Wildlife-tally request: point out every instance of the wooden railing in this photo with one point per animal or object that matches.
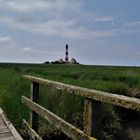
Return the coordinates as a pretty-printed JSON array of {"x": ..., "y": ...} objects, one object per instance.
[{"x": 92, "y": 105}]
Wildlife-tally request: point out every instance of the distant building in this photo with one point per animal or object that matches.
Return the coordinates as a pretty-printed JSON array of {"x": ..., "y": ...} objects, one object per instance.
[
  {"x": 61, "y": 60},
  {"x": 73, "y": 61}
]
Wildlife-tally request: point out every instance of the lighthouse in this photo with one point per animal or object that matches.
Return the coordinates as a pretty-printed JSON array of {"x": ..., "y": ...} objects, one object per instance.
[{"x": 66, "y": 54}]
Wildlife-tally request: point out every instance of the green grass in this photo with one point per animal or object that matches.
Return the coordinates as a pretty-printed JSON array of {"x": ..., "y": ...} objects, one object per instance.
[
  {"x": 12, "y": 86},
  {"x": 118, "y": 80}
]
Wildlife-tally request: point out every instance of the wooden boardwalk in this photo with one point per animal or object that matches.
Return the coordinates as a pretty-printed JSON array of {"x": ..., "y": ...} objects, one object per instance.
[{"x": 7, "y": 130}]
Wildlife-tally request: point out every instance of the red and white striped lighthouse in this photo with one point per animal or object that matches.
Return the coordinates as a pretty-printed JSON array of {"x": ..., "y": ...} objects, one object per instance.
[{"x": 66, "y": 54}]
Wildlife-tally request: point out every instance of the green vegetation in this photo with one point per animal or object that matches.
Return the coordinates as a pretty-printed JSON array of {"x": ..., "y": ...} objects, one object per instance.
[{"x": 119, "y": 80}]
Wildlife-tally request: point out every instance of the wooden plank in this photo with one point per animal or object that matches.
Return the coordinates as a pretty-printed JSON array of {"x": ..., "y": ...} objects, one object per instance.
[
  {"x": 9, "y": 138},
  {"x": 1, "y": 122},
  {"x": 6, "y": 136},
  {"x": 59, "y": 123},
  {"x": 31, "y": 132},
  {"x": 34, "y": 97},
  {"x": 5, "y": 133},
  {"x": 119, "y": 100},
  {"x": 4, "y": 129},
  {"x": 13, "y": 132}
]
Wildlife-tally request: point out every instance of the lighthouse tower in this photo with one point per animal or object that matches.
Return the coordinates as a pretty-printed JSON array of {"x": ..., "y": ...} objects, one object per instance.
[{"x": 66, "y": 54}]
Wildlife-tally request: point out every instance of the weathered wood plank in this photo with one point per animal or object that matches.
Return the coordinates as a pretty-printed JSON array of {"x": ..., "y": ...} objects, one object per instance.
[
  {"x": 31, "y": 132},
  {"x": 59, "y": 123},
  {"x": 4, "y": 129},
  {"x": 11, "y": 132},
  {"x": 2, "y": 122},
  {"x": 5, "y": 133},
  {"x": 87, "y": 117},
  {"x": 6, "y": 136},
  {"x": 119, "y": 100},
  {"x": 9, "y": 138}
]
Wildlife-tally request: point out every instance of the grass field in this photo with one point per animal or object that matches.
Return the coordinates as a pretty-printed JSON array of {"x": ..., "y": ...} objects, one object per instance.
[{"x": 119, "y": 80}]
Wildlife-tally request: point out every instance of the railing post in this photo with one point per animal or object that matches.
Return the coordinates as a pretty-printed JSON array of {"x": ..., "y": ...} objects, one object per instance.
[
  {"x": 35, "y": 98},
  {"x": 92, "y": 115}
]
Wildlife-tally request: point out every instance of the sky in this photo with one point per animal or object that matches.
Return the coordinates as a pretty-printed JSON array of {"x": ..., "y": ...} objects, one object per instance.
[{"x": 98, "y": 32}]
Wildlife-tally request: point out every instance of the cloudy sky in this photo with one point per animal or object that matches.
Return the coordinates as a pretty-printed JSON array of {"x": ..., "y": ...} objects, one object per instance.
[{"x": 103, "y": 32}]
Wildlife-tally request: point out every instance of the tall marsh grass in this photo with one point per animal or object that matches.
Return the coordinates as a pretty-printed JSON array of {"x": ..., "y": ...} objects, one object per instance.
[{"x": 118, "y": 80}]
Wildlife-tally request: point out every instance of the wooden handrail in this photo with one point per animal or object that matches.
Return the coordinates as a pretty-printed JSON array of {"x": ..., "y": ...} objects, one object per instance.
[{"x": 115, "y": 99}]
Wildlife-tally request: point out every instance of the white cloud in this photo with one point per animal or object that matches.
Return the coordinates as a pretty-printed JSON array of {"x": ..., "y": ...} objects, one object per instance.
[
  {"x": 32, "y": 5},
  {"x": 130, "y": 31},
  {"x": 36, "y": 51},
  {"x": 27, "y": 49},
  {"x": 5, "y": 39},
  {"x": 96, "y": 18},
  {"x": 85, "y": 33},
  {"x": 25, "y": 5},
  {"x": 31, "y": 50},
  {"x": 103, "y": 19},
  {"x": 53, "y": 27},
  {"x": 62, "y": 28},
  {"x": 68, "y": 29},
  {"x": 133, "y": 23}
]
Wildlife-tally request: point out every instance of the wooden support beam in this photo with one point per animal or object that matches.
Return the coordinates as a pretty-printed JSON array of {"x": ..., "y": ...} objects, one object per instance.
[
  {"x": 35, "y": 98},
  {"x": 62, "y": 125},
  {"x": 87, "y": 117},
  {"x": 92, "y": 113}
]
